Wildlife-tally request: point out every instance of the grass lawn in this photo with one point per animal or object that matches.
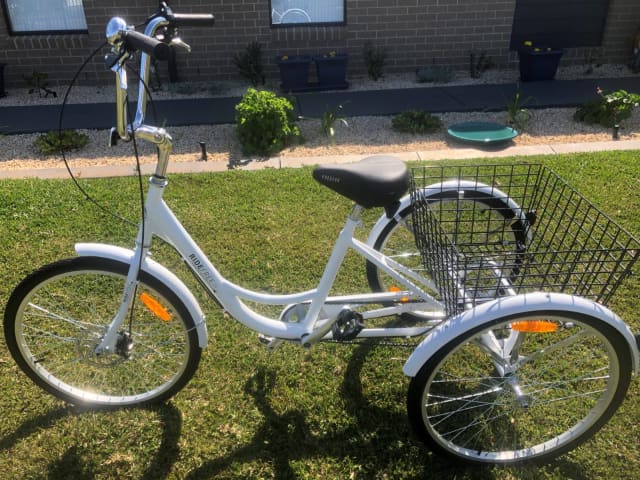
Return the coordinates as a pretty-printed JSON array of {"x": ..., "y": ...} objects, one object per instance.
[{"x": 333, "y": 412}]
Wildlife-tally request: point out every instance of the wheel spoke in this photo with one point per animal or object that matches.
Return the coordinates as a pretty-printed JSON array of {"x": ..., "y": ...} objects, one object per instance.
[
  {"x": 499, "y": 398},
  {"x": 501, "y": 238},
  {"x": 54, "y": 326}
]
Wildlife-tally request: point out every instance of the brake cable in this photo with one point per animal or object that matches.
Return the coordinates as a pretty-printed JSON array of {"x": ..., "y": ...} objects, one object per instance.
[{"x": 75, "y": 180}]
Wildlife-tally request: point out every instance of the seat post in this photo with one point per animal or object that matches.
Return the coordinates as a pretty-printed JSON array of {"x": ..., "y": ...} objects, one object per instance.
[{"x": 356, "y": 213}]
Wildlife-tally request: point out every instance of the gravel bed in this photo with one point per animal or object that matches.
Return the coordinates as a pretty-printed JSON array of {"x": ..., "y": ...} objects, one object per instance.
[{"x": 363, "y": 135}]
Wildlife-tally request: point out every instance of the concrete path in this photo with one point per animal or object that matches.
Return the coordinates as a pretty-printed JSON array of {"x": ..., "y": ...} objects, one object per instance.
[{"x": 294, "y": 162}]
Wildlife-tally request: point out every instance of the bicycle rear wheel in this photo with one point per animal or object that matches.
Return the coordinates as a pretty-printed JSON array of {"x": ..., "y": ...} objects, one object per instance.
[
  {"x": 57, "y": 316},
  {"x": 551, "y": 381},
  {"x": 503, "y": 232}
]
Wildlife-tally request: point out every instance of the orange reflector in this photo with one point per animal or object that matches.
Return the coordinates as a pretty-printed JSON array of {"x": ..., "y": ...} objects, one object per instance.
[
  {"x": 154, "y": 307},
  {"x": 535, "y": 326},
  {"x": 395, "y": 289}
]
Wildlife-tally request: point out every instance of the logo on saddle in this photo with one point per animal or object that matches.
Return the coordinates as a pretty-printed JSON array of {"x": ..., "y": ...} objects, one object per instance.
[{"x": 330, "y": 178}]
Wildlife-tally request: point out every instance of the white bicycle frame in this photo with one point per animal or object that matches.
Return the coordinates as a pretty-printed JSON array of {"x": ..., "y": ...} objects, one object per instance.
[
  {"x": 319, "y": 311},
  {"x": 161, "y": 222}
]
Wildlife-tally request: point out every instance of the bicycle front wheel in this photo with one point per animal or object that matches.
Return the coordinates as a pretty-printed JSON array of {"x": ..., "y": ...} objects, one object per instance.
[
  {"x": 57, "y": 316},
  {"x": 525, "y": 388}
]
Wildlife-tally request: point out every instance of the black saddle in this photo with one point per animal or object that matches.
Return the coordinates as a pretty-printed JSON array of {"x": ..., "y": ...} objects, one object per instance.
[{"x": 377, "y": 181}]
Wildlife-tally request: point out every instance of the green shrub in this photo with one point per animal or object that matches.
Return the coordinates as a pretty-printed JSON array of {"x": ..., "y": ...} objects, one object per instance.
[
  {"x": 517, "y": 115},
  {"x": 416, "y": 121},
  {"x": 374, "y": 60},
  {"x": 328, "y": 121},
  {"x": 478, "y": 64},
  {"x": 38, "y": 83},
  {"x": 434, "y": 74},
  {"x": 249, "y": 63},
  {"x": 265, "y": 123},
  {"x": 57, "y": 142},
  {"x": 609, "y": 109}
]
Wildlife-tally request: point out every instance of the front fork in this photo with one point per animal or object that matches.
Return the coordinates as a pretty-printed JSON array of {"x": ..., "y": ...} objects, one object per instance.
[
  {"x": 111, "y": 338},
  {"x": 162, "y": 140}
]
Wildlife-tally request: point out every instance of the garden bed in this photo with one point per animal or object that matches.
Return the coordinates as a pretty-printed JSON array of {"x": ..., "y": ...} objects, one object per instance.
[{"x": 364, "y": 135}]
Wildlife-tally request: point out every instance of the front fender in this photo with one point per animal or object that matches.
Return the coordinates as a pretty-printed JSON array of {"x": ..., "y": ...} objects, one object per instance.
[
  {"x": 519, "y": 304},
  {"x": 155, "y": 269}
]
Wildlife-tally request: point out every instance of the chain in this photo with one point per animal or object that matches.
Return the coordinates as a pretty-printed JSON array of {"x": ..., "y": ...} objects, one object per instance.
[{"x": 373, "y": 343}]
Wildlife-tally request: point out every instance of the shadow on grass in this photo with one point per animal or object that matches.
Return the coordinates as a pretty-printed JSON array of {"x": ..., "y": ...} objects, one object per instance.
[
  {"x": 375, "y": 440},
  {"x": 285, "y": 438},
  {"x": 73, "y": 463}
]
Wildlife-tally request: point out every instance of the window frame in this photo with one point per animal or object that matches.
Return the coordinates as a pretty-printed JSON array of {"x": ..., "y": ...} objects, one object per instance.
[
  {"x": 337, "y": 23},
  {"x": 13, "y": 32}
]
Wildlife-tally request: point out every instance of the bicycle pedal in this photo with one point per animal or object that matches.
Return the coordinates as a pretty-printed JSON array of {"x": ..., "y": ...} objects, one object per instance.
[{"x": 270, "y": 342}]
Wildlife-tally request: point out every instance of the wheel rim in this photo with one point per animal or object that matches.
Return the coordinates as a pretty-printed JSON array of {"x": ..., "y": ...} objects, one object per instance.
[
  {"x": 471, "y": 410},
  {"x": 456, "y": 216},
  {"x": 400, "y": 246},
  {"x": 61, "y": 320}
]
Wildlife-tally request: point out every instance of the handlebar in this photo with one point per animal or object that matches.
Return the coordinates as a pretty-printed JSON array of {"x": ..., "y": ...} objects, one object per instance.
[
  {"x": 125, "y": 39},
  {"x": 185, "y": 19},
  {"x": 133, "y": 40},
  {"x": 160, "y": 34},
  {"x": 192, "y": 20}
]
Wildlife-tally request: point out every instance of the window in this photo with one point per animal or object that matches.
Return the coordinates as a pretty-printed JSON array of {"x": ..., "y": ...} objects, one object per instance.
[
  {"x": 45, "y": 16},
  {"x": 312, "y": 12}
]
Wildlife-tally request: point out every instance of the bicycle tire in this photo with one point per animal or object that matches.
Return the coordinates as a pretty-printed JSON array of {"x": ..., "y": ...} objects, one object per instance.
[
  {"x": 57, "y": 316},
  {"x": 554, "y": 399},
  {"x": 396, "y": 239}
]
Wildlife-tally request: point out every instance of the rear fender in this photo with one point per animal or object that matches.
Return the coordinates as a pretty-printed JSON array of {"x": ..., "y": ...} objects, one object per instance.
[
  {"x": 155, "y": 269},
  {"x": 519, "y": 304},
  {"x": 448, "y": 186}
]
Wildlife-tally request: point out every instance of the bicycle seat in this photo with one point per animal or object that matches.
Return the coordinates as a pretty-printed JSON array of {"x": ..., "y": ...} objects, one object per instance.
[{"x": 377, "y": 181}]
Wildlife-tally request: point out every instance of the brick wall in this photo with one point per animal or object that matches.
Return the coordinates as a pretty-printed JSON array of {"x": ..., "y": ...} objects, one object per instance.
[{"x": 414, "y": 33}]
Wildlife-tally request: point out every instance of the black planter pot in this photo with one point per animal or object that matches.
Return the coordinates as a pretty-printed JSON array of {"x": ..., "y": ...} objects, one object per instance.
[
  {"x": 332, "y": 70},
  {"x": 540, "y": 64},
  {"x": 294, "y": 72}
]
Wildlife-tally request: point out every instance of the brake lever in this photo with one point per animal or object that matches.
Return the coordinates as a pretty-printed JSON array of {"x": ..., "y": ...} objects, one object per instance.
[
  {"x": 177, "y": 42},
  {"x": 112, "y": 59}
]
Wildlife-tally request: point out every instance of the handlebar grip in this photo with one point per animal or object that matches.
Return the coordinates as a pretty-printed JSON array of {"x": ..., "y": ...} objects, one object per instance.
[
  {"x": 139, "y": 41},
  {"x": 193, "y": 19}
]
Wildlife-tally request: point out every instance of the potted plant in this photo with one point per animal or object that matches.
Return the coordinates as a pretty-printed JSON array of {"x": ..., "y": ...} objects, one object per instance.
[
  {"x": 332, "y": 69},
  {"x": 538, "y": 62},
  {"x": 294, "y": 72}
]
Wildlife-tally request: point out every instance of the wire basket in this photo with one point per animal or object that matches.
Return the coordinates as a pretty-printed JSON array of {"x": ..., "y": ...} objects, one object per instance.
[{"x": 495, "y": 230}]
